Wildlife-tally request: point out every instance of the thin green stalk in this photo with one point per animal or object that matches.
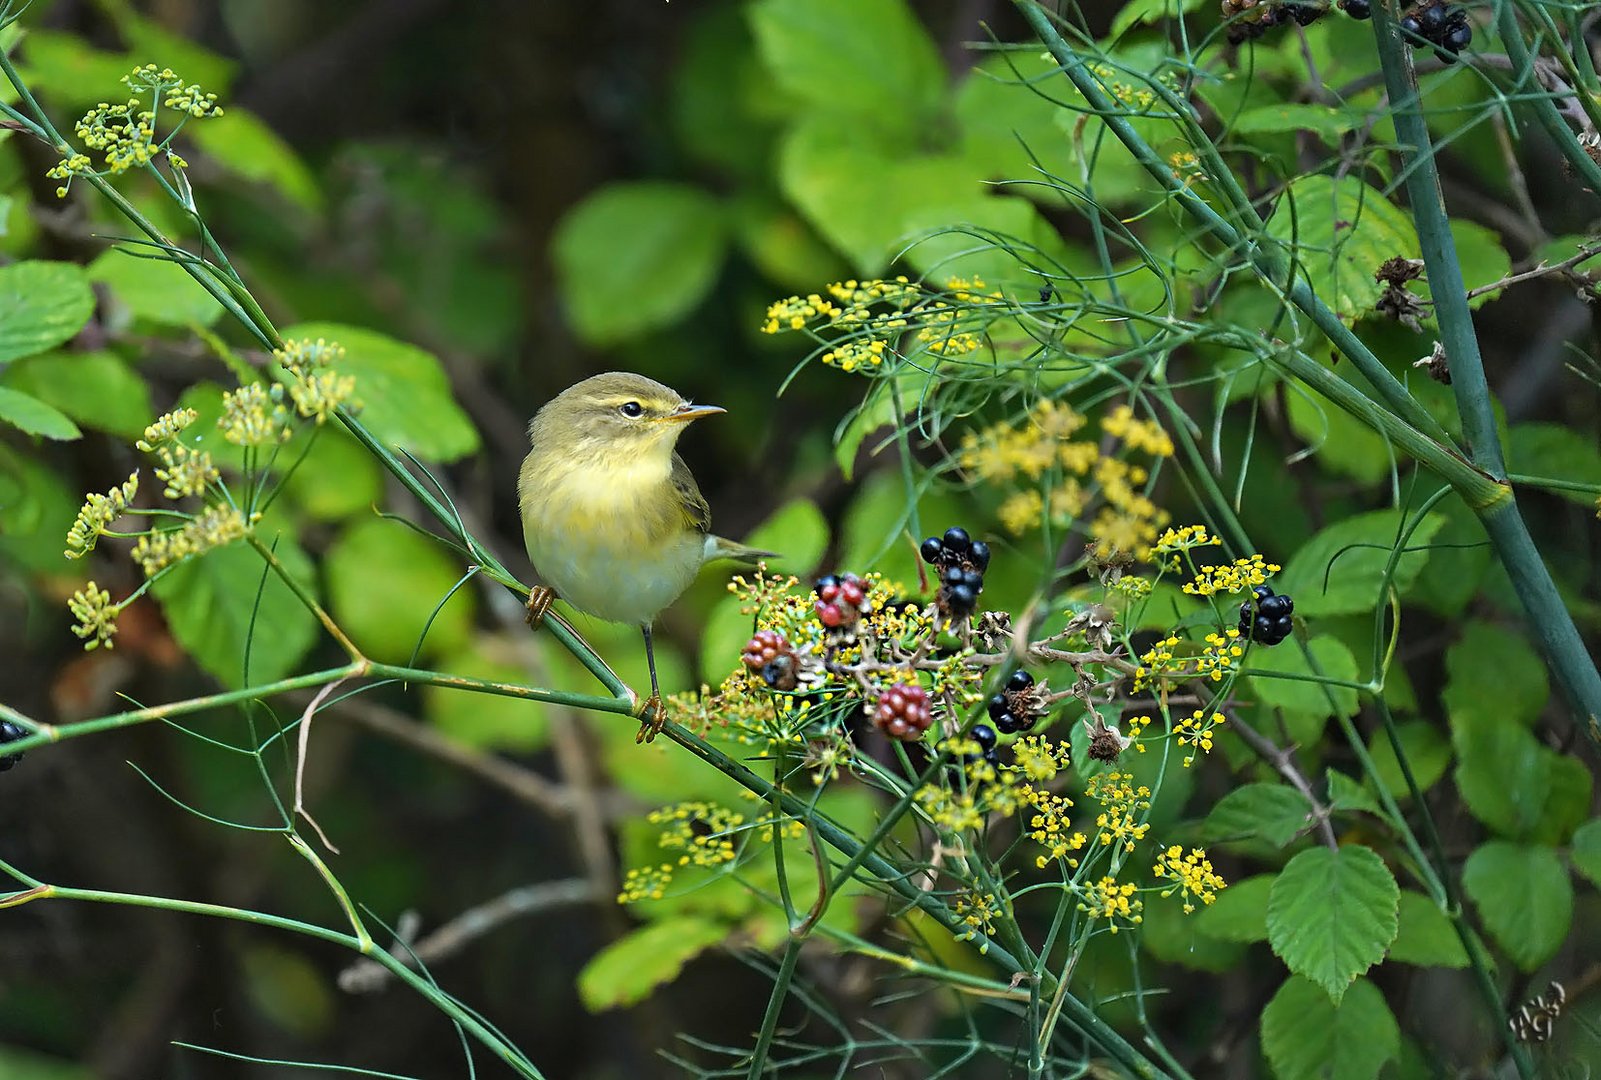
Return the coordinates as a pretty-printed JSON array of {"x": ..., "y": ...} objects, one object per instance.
[
  {"x": 620, "y": 705},
  {"x": 775, "y": 1006}
]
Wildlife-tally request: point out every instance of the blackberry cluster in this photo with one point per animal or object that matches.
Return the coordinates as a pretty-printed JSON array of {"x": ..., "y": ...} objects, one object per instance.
[
  {"x": 841, "y": 600},
  {"x": 903, "y": 712},
  {"x": 1357, "y": 9},
  {"x": 961, "y": 562},
  {"x": 1442, "y": 25},
  {"x": 10, "y": 732},
  {"x": 986, "y": 737},
  {"x": 1017, "y": 706},
  {"x": 1265, "y": 618},
  {"x": 1265, "y": 16},
  {"x": 771, "y": 656}
]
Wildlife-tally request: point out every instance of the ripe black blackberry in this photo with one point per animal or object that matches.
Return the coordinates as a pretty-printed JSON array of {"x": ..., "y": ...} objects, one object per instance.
[
  {"x": 1266, "y": 617},
  {"x": 1439, "y": 24},
  {"x": 10, "y": 732},
  {"x": 961, "y": 562},
  {"x": 1357, "y": 9}
]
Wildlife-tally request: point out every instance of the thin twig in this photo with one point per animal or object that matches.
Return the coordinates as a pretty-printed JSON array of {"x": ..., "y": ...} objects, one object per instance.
[{"x": 1283, "y": 762}]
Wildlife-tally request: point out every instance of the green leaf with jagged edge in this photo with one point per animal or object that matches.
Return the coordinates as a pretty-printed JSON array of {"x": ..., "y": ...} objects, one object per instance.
[
  {"x": 1493, "y": 663},
  {"x": 1586, "y": 853},
  {"x": 1276, "y": 813},
  {"x": 1557, "y": 452},
  {"x": 27, "y": 413},
  {"x": 1424, "y": 935},
  {"x": 42, "y": 304},
  {"x": 210, "y": 602},
  {"x": 627, "y": 970},
  {"x": 241, "y": 143},
  {"x": 1240, "y": 911},
  {"x": 1305, "y": 1036},
  {"x": 862, "y": 63},
  {"x": 97, "y": 389},
  {"x": 1427, "y": 753},
  {"x": 1332, "y": 914},
  {"x": 1340, "y": 571},
  {"x": 1341, "y": 231},
  {"x": 1512, "y": 782},
  {"x": 1333, "y": 660},
  {"x": 635, "y": 257},
  {"x": 150, "y": 287},
  {"x": 1524, "y": 898},
  {"x": 403, "y": 392},
  {"x": 1345, "y": 794},
  {"x": 384, "y": 582}
]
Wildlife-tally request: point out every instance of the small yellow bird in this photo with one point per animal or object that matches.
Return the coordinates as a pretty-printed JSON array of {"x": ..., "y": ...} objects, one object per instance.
[{"x": 614, "y": 522}]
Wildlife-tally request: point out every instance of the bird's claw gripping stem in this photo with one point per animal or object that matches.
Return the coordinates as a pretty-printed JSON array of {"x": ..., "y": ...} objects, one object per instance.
[
  {"x": 652, "y": 718},
  {"x": 540, "y": 598}
]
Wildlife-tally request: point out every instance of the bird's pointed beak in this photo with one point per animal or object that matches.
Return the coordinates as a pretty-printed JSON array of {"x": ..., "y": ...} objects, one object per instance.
[{"x": 687, "y": 412}]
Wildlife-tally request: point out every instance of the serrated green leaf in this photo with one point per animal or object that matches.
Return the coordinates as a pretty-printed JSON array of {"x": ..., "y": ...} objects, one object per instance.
[
  {"x": 1556, "y": 452},
  {"x": 1305, "y": 1036},
  {"x": 1331, "y": 914},
  {"x": 488, "y": 721},
  {"x": 241, "y": 143},
  {"x": 1586, "y": 853},
  {"x": 636, "y": 257},
  {"x": 42, "y": 304},
  {"x": 27, "y": 413},
  {"x": 97, "y": 389},
  {"x": 1276, "y": 813},
  {"x": 384, "y": 582},
  {"x": 210, "y": 604},
  {"x": 1340, "y": 571},
  {"x": 1345, "y": 793},
  {"x": 1427, "y": 754},
  {"x": 154, "y": 288},
  {"x": 846, "y": 59},
  {"x": 1514, "y": 784},
  {"x": 1342, "y": 231},
  {"x": 403, "y": 392},
  {"x": 627, "y": 970},
  {"x": 1424, "y": 935},
  {"x": 1524, "y": 899},
  {"x": 1492, "y": 663},
  {"x": 1240, "y": 911},
  {"x": 1334, "y": 661}
]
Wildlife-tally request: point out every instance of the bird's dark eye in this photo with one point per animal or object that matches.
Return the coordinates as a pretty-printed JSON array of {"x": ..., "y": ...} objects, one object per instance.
[{"x": 631, "y": 409}]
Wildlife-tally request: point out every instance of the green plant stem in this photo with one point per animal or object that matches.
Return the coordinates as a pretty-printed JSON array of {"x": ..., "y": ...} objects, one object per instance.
[
  {"x": 775, "y": 1006},
  {"x": 491, "y": 1041},
  {"x": 1549, "y": 621},
  {"x": 1551, "y": 483}
]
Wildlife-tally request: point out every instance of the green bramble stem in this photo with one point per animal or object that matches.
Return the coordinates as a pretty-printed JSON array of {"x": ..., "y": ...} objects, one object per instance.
[{"x": 1549, "y": 621}]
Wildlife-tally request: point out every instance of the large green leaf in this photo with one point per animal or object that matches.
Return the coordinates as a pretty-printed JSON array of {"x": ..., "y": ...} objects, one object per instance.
[
  {"x": 1340, "y": 571},
  {"x": 244, "y": 145},
  {"x": 1492, "y": 663},
  {"x": 42, "y": 304},
  {"x": 211, "y": 605},
  {"x": 29, "y": 414},
  {"x": 1512, "y": 782},
  {"x": 1276, "y": 813},
  {"x": 1424, "y": 935},
  {"x": 154, "y": 289},
  {"x": 36, "y": 510},
  {"x": 1010, "y": 128},
  {"x": 1524, "y": 898},
  {"x": 627, "y": 970},
  {"x": 1240, "y": 911},
  {"x": 1333, "y": 660},
  {"x": 1427, "y": 755},
  {"x": 1331, "y": 914},
  {"x": 867, "y": 62},
  {"x": 1556, "y": 452},
  {"x": 73, "y": 74},
  {"x": 1586, "y": 852},
  {"x": 404, "y": 394},
  {"x": 97, "y": 389},
  {"x": 1342, "y": 231},
  {"x": 1343, "y": 443},
  {"x": 384, "y": 582},
  {"x": 1308, "y": 1037},
  {"x": 635, "y": 257}
]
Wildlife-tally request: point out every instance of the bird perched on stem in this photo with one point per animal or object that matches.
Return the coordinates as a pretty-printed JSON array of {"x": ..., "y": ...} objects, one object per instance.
[{"x": 614, "y": 522}]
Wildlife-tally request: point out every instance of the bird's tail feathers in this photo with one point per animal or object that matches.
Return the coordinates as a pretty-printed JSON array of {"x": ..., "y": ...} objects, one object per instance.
[{"x": 720, "y": 547}]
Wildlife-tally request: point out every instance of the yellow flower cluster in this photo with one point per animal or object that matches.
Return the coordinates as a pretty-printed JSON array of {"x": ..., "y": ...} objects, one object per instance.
[
  {"x": 1120, "y": 801},
  {"x": 1136, "y": 96},
  {"x": 645, "y": 883},
  {"x": 1146, "y": 436},
  {"x": 316, "y": 391},
  {"x": 1157, "y": 661},
  {"x": 185, "y": 470},
  {"x": 1003, "y": 451},
  {"x": 1195, "y": 730},
  {"x": 96, "y": 516},
  {"x": 1039, "y": 759},
  {"x": 168, "y": 426},
  {"x": 856, "y": 353},
  {"x": 1137, "y": 726},
  {"x": 703, "y": 831},
  {"x": 1109, "y": 900},
  {"x": 1051, "y": 827},
  {"x": 1186, "y": 166},
  {"x": 1220, "y": 655},
  {"x": 977, "y": 913},
  {"x": 1231, "y": 577},
  {"x": 216, "y": 527},
  {"x": 1191, "y": 874},
  {"x": 255, "y": 416},
  {"x": 1184, "y": 538},
  {"x": 952, "y": 811},
  {"x": 96, "y": 615}
]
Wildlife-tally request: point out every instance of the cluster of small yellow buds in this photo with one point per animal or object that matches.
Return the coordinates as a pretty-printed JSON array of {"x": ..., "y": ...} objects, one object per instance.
[
  {"x": 977, "y": 913},
  {"x": 1186, "y": 166},
  {"x": 96, "y": 615},
  {"x": 1136, "y": 731},
  {"x": 317, "y": 390},
  {"x": 1191, "y": 874},
  {"x": 1222, "y": 652},
  {"x": 1184, "y": 538},
  {"x": 193, "y": 100},
  {"x": 704, "y": 832},
  {"x": 303, "y": 355},
  {"x": 1121, "y": 802},
  {"x": 166, "y": 427},
  {"x": 1196, "y": 730},
  {"x": 1051, "y": 827},
  {"x": 216, "y": 527},
  {"x": 185, "y": 471},
  {"x": 1107, "y": 899},
  {"x": 67, "y": 168},
  {"x": 645, "y": 883},
  {"x": 795, "y": 312},
  {"x": 1146, "y": 435},
  {"x": 1232, "y": 577},
  {"x": 253, "y": 415},
  {"x": 849, "y": 356},
  {"x": 97, "y": 514}
]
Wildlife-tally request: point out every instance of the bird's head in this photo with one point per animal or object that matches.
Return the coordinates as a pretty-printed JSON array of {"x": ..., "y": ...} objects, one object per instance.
[{"x": 618, "y": 412}]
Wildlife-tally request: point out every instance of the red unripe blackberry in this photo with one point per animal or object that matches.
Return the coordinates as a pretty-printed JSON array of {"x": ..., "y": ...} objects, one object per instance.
[
  {"x": 903, "y": 712},
  {"x": 840, "y": 600},
  {"x": 764, "y": 648}
]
